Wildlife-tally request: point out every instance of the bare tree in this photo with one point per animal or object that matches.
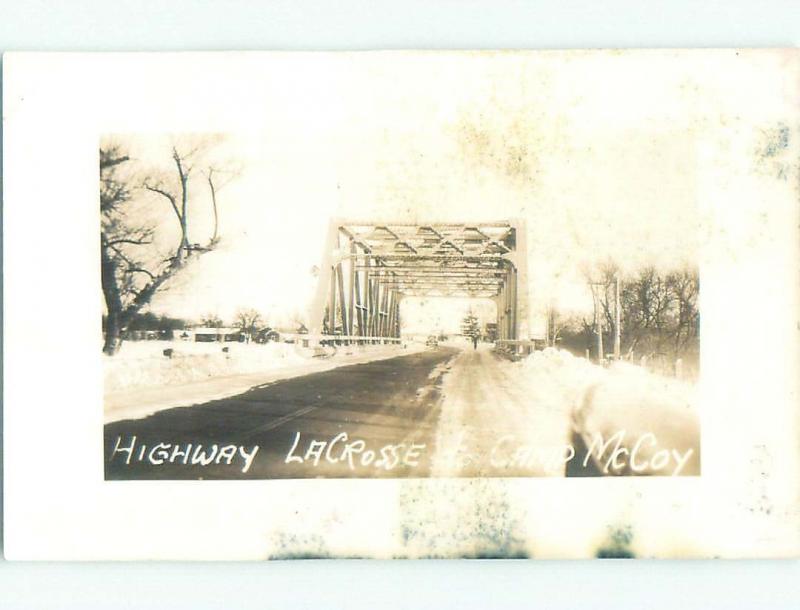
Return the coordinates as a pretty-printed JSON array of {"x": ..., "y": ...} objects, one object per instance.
[
  {"x": 646, "y": 302},
  {"x": 249, "y": 321},
  {"x": 684, "y": 286},
  {"x": 602, "y": 282},
  {"x": 559, "y": 322},
  {"x": 218, "y": 177},
  {"x": 660, "y": 312},
  {"x": 133, "y": 269},
  {"x": 211, "y": 320},
  {"x": 649, "y": 310},
  {"x": 556, "y": 322}
]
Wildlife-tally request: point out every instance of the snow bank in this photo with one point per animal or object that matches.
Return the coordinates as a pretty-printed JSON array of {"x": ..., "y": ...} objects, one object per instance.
[
  {"x": 559, "y": 374},
  {"x": 143, "y": 363},
  {"x": 622, "y": 406}
]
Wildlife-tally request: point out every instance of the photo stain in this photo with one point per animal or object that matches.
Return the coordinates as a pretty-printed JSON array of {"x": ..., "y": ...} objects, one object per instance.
[
  {"x": 618, "y": 544},
  {"x": 770, "y": 154},
  {"x": 471, "y": 519}
]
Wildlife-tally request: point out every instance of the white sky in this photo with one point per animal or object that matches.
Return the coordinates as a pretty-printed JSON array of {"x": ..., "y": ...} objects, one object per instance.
[
  {"x": 596, "y": 153},
  {"x": 442, "y": 314}
]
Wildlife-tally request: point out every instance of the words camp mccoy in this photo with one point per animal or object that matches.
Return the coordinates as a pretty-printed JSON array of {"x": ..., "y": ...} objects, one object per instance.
[{"x": 638, "y": 455}]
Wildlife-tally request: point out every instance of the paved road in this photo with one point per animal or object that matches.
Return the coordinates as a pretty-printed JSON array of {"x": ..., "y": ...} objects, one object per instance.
[{"x": 368, "y": 420}]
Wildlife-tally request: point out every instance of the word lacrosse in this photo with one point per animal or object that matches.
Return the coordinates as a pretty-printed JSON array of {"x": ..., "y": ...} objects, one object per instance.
[{"x": 354, "y": 453}]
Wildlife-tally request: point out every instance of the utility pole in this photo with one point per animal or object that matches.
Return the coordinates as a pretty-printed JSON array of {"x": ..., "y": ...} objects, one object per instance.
[
  {"x": 617, "y": 340},
  {"x": 597, "y": 326}
]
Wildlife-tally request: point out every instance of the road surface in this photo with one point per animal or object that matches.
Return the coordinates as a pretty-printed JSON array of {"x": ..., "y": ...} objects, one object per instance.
[
  {"x": 367, "y": 420},
  {"x": 492, "y": 425},
  {"x": 445, "y": 412}
]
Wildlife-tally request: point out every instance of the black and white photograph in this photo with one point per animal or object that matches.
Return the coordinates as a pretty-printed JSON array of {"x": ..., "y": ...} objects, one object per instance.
[
  {"x": 407, "y": 304},
  {"x": 451, "y": 288}
]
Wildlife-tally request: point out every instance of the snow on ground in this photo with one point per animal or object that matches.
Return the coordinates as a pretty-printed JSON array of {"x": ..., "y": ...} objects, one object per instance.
[
  {"x": 143, "y": 364},
  {"x": 623, "y": 405},
  {"x": 494, "y": 423},
  {"x": 526, "y": 418},
  {"x": 140, "y": 380}
]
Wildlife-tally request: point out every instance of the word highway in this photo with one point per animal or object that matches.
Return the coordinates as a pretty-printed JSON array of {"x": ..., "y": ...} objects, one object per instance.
[{"x": 183, "y": 453}]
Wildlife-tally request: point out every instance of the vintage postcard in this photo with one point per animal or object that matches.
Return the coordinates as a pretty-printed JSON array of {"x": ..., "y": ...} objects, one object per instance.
[{"x": 402, "y": 304}]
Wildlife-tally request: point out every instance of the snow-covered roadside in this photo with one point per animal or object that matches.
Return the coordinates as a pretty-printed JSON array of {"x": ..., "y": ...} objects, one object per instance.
[
  {"x": 622, "y": 406},
  {"x": 142, "y": 364},
  {"x": 144, "y": 381}
]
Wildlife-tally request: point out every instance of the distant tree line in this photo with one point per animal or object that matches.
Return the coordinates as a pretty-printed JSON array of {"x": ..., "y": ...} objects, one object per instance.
[
  {"x": 151, "y": 321},
  {"x": 164, "y": 326},
  {"x": 249, "y": 322},
  {"x": 658, "y": 315}
]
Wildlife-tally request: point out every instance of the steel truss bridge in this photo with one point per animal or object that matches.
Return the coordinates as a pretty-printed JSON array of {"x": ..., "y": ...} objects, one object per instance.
[{"x": 368, "y": 268}]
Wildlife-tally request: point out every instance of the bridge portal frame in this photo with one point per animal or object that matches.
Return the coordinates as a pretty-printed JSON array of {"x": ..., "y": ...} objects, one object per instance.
[{"x": 369, "y": 267}]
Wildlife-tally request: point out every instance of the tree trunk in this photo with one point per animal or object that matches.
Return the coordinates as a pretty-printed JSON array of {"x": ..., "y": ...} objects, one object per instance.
[
  {"x": 214, "y": 204},
  {"x": 617, "y": 324},
  {"x": 113, "y": 335}
]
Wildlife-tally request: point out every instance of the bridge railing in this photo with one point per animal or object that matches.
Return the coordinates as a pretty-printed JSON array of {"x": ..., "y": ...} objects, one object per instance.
[
  {"x": 310, "y": 340},
  {"x": 520, "y": 347}
]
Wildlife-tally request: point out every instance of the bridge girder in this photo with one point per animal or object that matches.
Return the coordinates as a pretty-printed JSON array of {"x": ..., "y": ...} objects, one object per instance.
[{"x": 368, "y": 268}]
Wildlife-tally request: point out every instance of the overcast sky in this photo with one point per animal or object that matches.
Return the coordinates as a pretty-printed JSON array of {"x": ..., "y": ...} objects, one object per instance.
[{"x": 594, "y": 152}]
